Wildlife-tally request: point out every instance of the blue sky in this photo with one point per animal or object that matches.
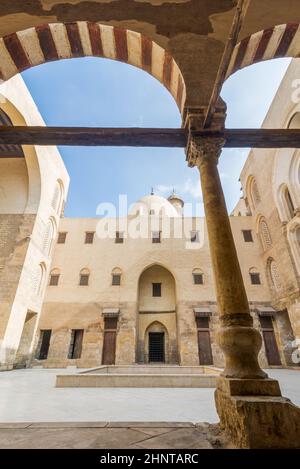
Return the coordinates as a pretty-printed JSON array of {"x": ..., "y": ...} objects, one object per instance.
[{"x": 100, "y": 92}]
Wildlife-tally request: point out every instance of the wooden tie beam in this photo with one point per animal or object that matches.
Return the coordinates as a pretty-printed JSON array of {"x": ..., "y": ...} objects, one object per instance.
[{"x": 138, "y": 137}]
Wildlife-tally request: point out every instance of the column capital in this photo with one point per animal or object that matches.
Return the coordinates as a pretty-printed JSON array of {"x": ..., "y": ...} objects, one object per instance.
[{"x": 201, "y": 149}]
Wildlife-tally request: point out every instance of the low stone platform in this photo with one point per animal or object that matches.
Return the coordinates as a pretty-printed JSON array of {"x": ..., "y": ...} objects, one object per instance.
[
  {"x": 114, "y": 435},
  {"x": 142, "y": 376}
]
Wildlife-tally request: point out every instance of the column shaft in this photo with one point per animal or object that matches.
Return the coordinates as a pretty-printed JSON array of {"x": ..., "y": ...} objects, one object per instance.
[{"x": 237, "y": 338}]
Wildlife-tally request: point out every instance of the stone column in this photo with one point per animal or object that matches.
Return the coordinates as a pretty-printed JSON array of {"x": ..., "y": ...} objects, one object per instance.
[
  {"x": 237, "y": 337},
  {"x": 249, "y": 404}
]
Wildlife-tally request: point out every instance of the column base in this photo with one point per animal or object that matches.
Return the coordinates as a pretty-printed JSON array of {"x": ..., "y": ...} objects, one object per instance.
[{"x": 255, "y": 415}]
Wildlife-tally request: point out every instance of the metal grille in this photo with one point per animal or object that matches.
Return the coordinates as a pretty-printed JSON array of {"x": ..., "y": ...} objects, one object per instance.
[
  {"x": 156, "y": 347},
  {"x": 156, "y": 289}
]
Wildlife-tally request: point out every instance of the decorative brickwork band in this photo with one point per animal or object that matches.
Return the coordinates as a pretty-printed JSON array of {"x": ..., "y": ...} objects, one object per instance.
[
  {"x": 279, "y": 41},
  {"x": 24, "y": 49}
]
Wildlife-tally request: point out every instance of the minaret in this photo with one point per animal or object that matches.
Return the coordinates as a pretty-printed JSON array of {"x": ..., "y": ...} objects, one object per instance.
[{"x": 177, "y": 202}]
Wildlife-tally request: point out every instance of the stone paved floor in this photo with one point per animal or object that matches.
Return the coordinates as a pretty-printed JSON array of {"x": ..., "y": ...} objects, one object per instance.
[
  {"x": 30, "y": 396},
  {"x": 79, "y": 435}
]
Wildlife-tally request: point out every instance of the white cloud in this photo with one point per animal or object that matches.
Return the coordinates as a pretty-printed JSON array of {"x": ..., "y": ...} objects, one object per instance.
[{"x": 189, "y": 187}]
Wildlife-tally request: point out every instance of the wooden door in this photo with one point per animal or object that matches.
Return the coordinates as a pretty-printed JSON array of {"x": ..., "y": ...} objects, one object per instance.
[
  {"x": 271, "y": 348},
  {"x": 204, "y": 344},
  {"x": 109, "y": 348},
  {"x": 45, "y": 343}
]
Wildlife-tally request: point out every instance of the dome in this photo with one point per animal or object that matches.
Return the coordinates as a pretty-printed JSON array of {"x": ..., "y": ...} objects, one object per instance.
[
  {"x": 176, "y": 202},
  {"x": 176, "y": 197},
  {"x": 153, "y": 205}
]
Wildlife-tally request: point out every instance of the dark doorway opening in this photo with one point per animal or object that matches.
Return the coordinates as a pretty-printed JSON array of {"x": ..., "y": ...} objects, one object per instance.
[
  {"x": 44, "y": 344},
  {"x": 76, "y": 343},
  {"x": 157, "y": 347}
]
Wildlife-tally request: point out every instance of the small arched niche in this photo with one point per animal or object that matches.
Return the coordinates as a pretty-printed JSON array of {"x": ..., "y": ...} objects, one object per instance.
[
  {"x": 14, "y": 179},
  {"x": 295, "y": 121}
]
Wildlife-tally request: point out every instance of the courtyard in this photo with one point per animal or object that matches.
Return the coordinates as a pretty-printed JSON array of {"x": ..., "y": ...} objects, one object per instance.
[
  {"x": 30, "y": 396},
  {"x": 34, "y": 414},
  {"x": 150, "y": 293}
]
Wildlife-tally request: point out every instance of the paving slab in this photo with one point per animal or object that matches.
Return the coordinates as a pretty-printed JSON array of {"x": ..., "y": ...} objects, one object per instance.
[
  {"x": 104, "y": 436},
  {"x": 150, "y": 424},
  {"x": 178, "y": 438},
  {"x": 67, "y": 425}
]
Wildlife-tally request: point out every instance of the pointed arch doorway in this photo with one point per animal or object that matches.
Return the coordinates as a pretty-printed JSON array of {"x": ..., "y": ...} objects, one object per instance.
[
  {"x": 157, "y": 322},
  {"x": 156, "y": 343}
]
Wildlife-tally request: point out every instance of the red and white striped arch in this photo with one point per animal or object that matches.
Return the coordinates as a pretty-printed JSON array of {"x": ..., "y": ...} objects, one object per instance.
[
  {"x": 280, "y": 41},
  {"x": 34, "y": 46}
]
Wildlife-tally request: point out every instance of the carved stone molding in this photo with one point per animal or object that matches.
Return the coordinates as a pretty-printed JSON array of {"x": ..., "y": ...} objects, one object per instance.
[{"x": 200, "y": 149}]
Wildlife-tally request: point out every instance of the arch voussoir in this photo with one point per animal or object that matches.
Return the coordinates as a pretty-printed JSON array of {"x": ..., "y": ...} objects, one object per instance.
[
  {"x": 44, "y": 43},
  {"x": 272, "y": 43}
]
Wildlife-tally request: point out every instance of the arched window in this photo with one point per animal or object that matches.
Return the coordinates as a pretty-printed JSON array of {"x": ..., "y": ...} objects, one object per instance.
[
  {"x": 58, "y": 195},
  {"x": 276, "y": 281},
  {"x": 49, "y": 235},
  {"x": 294, "y": 179},
  {"x": 289, "y": 203},
  {"x": 84, "y": 277},
  {"x": 264, "y": 233},
  {"x": 254, "y": 276},
  {"x": 9, "y": 150},
  {"x": 295, "y": 121},
  {"x": 293, "y": 234},
  {"x": 286, "y": 205},
  {"x": 116, "y": 276},
  {"x": 54, "y": 277},
  {"x": 41, "y": 279},
  {"x": 198, "y": 277},
  {"x": 252, "y": 192},
  {"x": 298, "y": 237}
]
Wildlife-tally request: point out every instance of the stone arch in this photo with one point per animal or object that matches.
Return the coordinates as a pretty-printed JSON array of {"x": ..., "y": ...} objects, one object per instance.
[
  {"x": 294, "y": 122},
  {"x": 48, "y": 42},
  {"x": 153, "y": 309},
  {"x": 294, "y": 177},
  {"x": 286, "y": 206},
  {"x": 253, "y": 195},
  {"x": 274, "y": 277},
  {"x": 55, "y": 271},
  {"x": 276, "y": 42},
  {"x": 22, "y": 160},
  {"x": 58, "y": 197},
  {"x": 49, "y": 236},
  {"x": 293, "y": 235},
  {"x": 156, "y": 327},
  {"x": 263, "y": 231},
  {"x": 42, "y": 272}
]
